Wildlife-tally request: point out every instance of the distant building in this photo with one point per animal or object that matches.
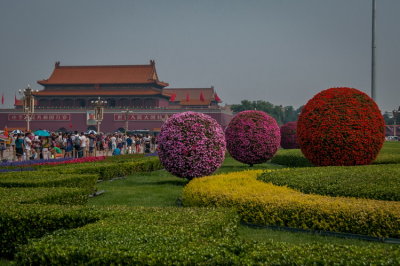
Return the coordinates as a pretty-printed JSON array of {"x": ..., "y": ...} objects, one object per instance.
[{"x": 65, "y": 101}]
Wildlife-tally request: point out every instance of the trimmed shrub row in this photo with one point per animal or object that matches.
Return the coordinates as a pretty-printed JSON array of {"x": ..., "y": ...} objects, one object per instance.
[
  {"x": 291, "y": 158},
  {"x": 147, "y": 236},
  {"x": 22, "y": 222},
  {"x": 28, "y": 199},
  {"x": 294, "y": 158},
  {"x": 381, "y": 182},
  {"x": 111, "y": 170},
  {"x": 47, "y": 179},
  {"x": 39, "y": 195},
  {"x": 189, "y": 236},
  {"x": 266, "y": 204}
]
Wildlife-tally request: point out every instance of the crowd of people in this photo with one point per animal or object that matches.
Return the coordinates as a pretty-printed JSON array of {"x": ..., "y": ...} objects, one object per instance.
[{"x": 27, "y": 146}]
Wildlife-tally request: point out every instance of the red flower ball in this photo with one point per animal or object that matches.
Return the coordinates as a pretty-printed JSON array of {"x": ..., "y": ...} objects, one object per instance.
[
  {"x": 340, "y": 126},
  {"x": 252, "y": 137},
  {"x": 289, "y": 136}
]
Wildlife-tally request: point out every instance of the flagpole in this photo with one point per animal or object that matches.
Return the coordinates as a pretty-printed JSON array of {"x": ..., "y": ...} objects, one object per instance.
[{"x": 373, "y": 82}]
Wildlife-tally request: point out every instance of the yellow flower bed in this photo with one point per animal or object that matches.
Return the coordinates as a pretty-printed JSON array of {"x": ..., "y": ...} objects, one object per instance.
[{"x": 266, "y": 204}]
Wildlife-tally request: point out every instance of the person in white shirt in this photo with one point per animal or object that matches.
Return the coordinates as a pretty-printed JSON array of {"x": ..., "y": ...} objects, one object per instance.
[
  {"x": 83, "y": 144},
  {"x": 113, "y": 142},
  {"x": 28, "y": 145}
]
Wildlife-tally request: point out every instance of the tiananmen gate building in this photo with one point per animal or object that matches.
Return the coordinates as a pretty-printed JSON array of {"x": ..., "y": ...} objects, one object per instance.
[{"x": 133, "y": 93}]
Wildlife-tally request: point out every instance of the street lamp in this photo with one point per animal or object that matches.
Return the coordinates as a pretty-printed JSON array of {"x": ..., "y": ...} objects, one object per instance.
[
  {"x": 395, "y": 116},
  {"x": 98, "y": 111},
  {"x": 28, "y": 104},
  {"x": 127, "y": 112}
]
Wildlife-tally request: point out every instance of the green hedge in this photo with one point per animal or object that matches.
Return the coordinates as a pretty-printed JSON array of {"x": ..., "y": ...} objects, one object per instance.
[
  {"x": 263, "y": 203},
  {"x": 50, "y": 195},
  {"x": 380, "y": 182},
  {"x": 291, "y": 158},
  {"x": 111, "y": 169},
  {"x": 389, "y": 154},
  {"x": 146, "y": 236},
  {"x": 47, "y": 179},
  {"x": 22, "y": 222},
  {"x": 188, "y": 236}
]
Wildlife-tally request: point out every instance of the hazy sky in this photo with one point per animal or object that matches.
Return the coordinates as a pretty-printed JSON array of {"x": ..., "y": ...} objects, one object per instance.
[{"x": 281, "y": 51}]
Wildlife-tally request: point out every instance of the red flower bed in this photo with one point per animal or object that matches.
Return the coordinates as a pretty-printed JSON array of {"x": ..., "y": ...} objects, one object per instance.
[
  {"x": 289, "y": 136},
  {"x": 77, "y": 160},
  {"x": 340, "y": 126}
]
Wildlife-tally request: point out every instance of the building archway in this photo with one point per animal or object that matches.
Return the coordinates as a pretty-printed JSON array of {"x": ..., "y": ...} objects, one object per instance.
[
  {"x": 43, "y": 103},
  {"x": 55, "y": 103},
  {"x": 138, "y": 103},
  {"x": 149, "y": 103},
  {"x": 68, "y": 102},
  {"x": 124, "y": 102},
  {"x": 111, "y": 102},
  {"x": 81, "y": 102}
]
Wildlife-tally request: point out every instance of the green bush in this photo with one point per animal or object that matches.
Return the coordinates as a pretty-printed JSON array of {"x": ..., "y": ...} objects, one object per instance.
[
  {"x": 389, "y": 154},
  {"x": 50, "y": 195},
  {"x": 381, "y": 182},
  {"x": 147, "y": 236},
  {"x": 18, "y": 223},
  {"x": 263, "y": 203},
  {"x": 189, "y": 236},
  {"x": 47, "y": 179},
  {"x": 109, "y": 170},
  {"x": 291, "y": 158}
]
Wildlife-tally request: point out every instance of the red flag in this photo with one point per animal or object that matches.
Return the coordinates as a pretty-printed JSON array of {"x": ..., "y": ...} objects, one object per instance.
[
  {"x": 217, "y": 98},
  {"x": 173, "y": 96},
  {"x": 201, "y": 97},
  {"x": 6, "y": 131},
  {"x": 2, "y": 98},
  {"x": 187, "y": 97}
]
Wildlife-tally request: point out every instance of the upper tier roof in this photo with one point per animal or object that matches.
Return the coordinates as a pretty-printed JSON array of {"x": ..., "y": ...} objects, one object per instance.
[{"x": 118, "y": 74}]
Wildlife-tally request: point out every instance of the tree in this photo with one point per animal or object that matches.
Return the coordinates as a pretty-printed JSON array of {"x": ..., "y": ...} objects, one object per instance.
[{"x": 282, "y": 114}]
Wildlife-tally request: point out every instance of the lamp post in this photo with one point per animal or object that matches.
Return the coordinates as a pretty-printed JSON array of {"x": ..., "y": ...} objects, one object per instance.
[
  {"x": 28, "y": 104},
  {"x": 127, "y": 112},
  {"x": 99, "y": 105},
  {"x": 395, "y": 116}
]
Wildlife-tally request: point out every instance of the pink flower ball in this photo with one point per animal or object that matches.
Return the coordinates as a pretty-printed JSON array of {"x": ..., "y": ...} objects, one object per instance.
[
  {"x": 191, "y": 145},
  {"x": 252, "y": 137},
  {"x": 289, "y": 136}
]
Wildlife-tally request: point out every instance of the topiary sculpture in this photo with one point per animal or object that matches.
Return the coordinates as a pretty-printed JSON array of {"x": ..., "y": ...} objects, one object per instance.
[
  {"x": 252, "y": 137},
  {"x": 340, "y": 126},
  {"x": 288, "y": 136},
  {"x": 191, "y": 145}
]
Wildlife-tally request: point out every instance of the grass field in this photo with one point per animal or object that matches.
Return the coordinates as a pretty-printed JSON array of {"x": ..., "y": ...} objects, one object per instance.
[{"x": 161, "y": 189}]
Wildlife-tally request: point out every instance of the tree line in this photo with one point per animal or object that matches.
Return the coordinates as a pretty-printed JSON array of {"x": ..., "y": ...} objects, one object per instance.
[{"x": 282, "y": 114}]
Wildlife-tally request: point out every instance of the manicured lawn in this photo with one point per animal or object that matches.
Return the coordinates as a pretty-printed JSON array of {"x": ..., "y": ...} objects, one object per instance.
[
  {"x": 161, "y": 189},
  {"x": 153, "y": 189},
  {"x": 157, "y": 188}
]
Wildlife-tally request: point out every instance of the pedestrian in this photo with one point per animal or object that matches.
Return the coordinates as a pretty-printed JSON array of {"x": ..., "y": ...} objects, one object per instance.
[
  {"x": 46, "y": 142},
  {"x": 68, "y": 146},
  {"x": 3, "y": 147},
  {"x": 92, "y": 144},
  {"x": 28, "y": 145},
  {"x": 19, "y": 147}
]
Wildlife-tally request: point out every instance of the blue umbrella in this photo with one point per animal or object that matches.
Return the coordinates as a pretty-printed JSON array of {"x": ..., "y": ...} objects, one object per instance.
[{"x": 43, "y": 133}]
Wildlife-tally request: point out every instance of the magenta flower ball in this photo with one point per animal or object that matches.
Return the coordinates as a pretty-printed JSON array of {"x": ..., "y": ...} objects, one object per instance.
[
  {"x": 191, "y": 145},
  {"x": 288, "y": 136},
  {"x": 252, "y": 137}
]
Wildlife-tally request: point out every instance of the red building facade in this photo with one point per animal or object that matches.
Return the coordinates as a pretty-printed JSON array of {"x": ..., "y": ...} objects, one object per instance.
[{"x": 65, "y": 101}]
